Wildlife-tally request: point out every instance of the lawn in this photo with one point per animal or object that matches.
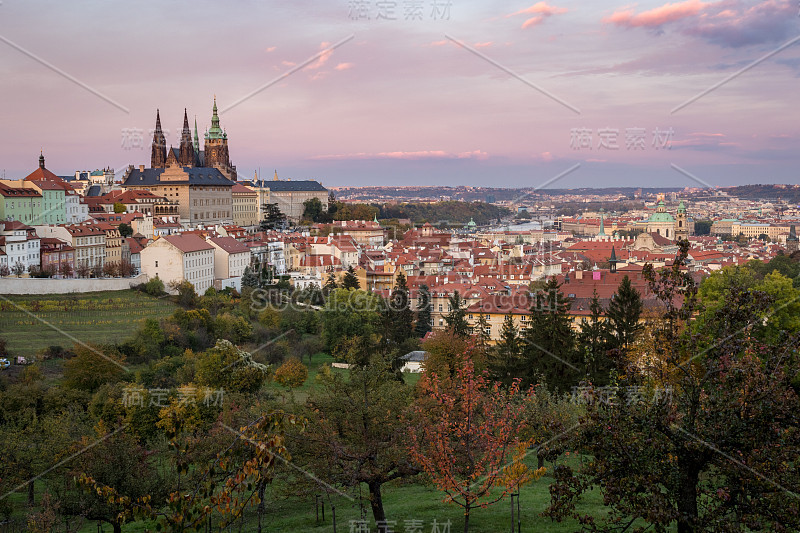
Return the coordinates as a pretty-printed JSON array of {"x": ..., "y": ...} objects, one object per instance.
[{"x": 31, "y": 323}]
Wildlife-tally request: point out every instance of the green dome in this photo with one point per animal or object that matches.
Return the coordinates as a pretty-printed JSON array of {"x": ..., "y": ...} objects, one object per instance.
[{"x": 661, "y": 217}]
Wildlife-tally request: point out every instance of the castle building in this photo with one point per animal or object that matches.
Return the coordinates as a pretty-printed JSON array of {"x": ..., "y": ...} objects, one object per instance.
[
  {"x": 200, "y": 181},
  {"x": 188, "y": 154}
]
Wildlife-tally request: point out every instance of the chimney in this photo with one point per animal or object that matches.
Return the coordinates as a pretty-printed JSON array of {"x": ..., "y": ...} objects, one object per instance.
[
  {"x": 141, "y": 168},
  {"x": 579, "y": 274}
]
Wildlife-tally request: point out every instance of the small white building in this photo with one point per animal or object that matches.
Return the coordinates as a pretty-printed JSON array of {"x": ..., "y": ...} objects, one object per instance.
[
  {"x": 413, "y": 361},
  {"x": 20, "y": 245},
  {"x": 231, "y": 257},
  {"x": 176, "y": 258}
]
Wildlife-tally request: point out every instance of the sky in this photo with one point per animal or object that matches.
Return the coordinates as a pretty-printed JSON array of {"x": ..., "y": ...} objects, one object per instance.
[{"x": 555, "y": 93}]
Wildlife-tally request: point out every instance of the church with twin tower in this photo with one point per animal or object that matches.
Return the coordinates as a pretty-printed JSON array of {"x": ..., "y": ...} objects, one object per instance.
[{"x": 213, "y": 155}]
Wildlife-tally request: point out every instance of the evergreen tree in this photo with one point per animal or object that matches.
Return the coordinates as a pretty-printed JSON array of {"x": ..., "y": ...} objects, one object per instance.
[
  {"x": 249, "y": 279},
  {"x": 330, "y": 285},
  {"x": 400, "y": 309},
  {"x": 549, "y": 342},
  {"x": 272, "y": 217},
  {"x": 506, "y": 364},
  {"x": 593, "y": 341},
  {"x": 350, "y": 280},
  {"x": 482, "y": 332},
  {"x": 424, "y": 306},
  {"x": 623, "y": 314},
  {"x": 457, "y": 317}
]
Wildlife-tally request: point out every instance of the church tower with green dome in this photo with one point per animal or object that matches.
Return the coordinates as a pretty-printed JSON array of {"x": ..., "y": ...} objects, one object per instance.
[
  {"x": 216, "y": 147},
  {"x": 681, "y": 223},
  {"x": 661, "y": 222}
]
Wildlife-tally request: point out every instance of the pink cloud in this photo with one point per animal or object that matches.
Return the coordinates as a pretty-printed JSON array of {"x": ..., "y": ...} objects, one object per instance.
[
  {"x": 271, "y": 49},
  {"x": 657, "y": 16},
  {"x": 322, "y": 59},
  {"x": 540, "y": 11},
  {"x": 410, "y": 155},
  {"x": 343, "y": 66},
  {"x": 483, "y": 45},
  {"x": 438, "y": 43}
]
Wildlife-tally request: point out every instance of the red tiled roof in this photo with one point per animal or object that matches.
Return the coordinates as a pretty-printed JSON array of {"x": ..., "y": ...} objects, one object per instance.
[{"x": 187, "y": 243}]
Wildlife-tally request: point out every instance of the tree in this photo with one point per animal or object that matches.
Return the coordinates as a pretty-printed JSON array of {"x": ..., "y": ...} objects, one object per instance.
[
  {"x": 154, "y": 287},
  {"x": 624, "y": 313},
  {"x": 330, "y": 285},
  {"x": 350, "y": 280},
  {"x": 505, "y": 363},
  {"x": 271, "y": 217},
  {"x": 702, "y": 227},
  {"x": 119, "y": 207},
  {"x": 593, "y": 340},
  {"x": 703, "y": 428},
  {"x": 291, "y": 374},
  {"x": 187, "y": 296},
  {"x": 549, "y": 341},
  {"x": 401, "y": 315},
  {"x": 93, "y": 366},
  {"x": 125, "y": 230},
  {"x": 462, "y": 434},
  {"x": 18, "y": 269},
  {"x": 83, "y": 270},
  {"x": 226, "y": 367},
  {"x": 4, "y": 271},
  {"x": 356, "y": 430},
  {"x": 482, "y": 332},
  {"x": 457, "y": 317},
  {"x": 249, "y": 279},
  {"x": 424, "y": 307},
  {"x": 347, "y": 314},
  {"x": 312, "y": 209}
]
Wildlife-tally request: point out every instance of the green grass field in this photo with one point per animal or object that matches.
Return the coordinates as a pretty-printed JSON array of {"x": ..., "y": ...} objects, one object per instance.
[{"x": 31, "y": 323}]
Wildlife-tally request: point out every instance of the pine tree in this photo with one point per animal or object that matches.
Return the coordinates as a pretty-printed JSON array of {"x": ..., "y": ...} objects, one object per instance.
[
  {"x": 424, "y": 306},
  {"x": 330, "y": 285},
  {"x": 457, "y": 317},
  {"x": 350, "y": 280},
  {"x": 593, "y": 341},
  {"x": 400, "y": 309},
  {"x": 506, "y": 364},
  {"x": 249, "y": 279},
  {"x": 624, "y": 313},
  {"x": 549, "y": 341},
  {"x": 482, "y": 331}
]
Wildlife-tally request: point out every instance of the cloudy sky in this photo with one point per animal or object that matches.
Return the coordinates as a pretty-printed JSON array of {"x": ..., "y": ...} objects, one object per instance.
[{"x": 557, "y": 93}]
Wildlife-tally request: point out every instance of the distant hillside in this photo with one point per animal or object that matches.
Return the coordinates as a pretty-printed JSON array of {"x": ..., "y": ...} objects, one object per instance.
[
  {"x": 786, "y": 193},
  {"x": 450, "y": 213}
]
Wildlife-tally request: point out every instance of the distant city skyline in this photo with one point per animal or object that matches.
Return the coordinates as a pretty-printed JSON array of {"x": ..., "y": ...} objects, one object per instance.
[{"x": 555, "y": 94}]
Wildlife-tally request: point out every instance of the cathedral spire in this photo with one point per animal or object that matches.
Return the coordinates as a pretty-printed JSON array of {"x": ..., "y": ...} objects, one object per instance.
[
  {"x": 41, "y": 160},
  {"x": 187, "y": 147},
  {"x": 215, "y": 132},
  {"x": 158, "y": 155},
  {"x": 196, "y": 137}
]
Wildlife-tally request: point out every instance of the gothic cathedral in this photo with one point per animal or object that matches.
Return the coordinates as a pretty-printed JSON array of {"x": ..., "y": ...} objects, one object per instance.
[{"x": 214, "y": 155}]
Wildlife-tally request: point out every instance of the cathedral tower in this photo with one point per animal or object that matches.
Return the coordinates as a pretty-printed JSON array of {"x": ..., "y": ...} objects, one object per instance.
[
  {"x": 158, "y": 155},
  {"x": 186, "y": 158},
  {"x": 216, "y": 147}
]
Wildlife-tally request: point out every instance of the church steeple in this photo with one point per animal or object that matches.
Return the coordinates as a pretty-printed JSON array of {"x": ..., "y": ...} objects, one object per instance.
[
  {"x": 186, "y": 158},
  {"x": 215, "y": 132},
  {"x": 196, "y": 138},
  {"x": 158, "y": 155},
  {"x": 41, "y": 161}
]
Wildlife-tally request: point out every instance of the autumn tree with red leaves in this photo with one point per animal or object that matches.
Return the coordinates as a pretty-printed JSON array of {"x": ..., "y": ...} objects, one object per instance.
[{"x": 464, "y": 435}]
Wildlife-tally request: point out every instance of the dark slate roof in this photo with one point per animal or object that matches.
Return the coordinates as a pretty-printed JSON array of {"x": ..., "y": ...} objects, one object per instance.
[
  {"x": 417, "y": 356},
  {"x": 94, "y": 190},
  {"x": 197, "y": 176},
  {"x": 302, "y": 185}
]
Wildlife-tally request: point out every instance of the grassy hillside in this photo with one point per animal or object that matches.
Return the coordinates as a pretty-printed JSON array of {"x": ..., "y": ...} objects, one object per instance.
[{"x": 31, "y": 323}]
